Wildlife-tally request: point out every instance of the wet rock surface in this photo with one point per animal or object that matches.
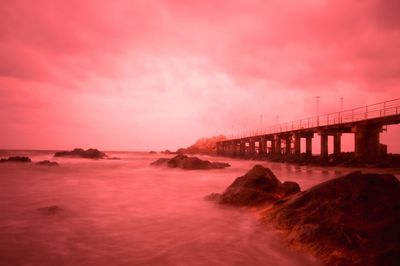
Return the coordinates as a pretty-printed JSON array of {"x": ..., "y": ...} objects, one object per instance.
[
  {"x": 189, "y": 163},
  {"x": 16, "y": 159},
  {"x": 81, "y": 153},
  {"x": 257, "y": 186},
  {"x": 47, "y": 163},
  {"x": 350, "y": 220}
]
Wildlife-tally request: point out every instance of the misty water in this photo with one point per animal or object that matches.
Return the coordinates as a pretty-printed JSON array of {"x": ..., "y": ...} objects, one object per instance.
[{"x": 125, "y": 212}]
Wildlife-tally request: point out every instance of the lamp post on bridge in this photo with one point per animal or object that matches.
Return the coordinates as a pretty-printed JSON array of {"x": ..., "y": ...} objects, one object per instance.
[
  {"x": 317, "y": 98},
  {"x": 341, "y": 109}
]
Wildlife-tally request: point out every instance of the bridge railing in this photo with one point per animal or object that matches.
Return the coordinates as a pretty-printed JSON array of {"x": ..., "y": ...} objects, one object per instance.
[{"x": 382, "y": 109}]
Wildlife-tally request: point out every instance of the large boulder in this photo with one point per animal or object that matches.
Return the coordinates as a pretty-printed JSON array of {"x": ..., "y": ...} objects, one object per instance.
[
  {"x": 257, "y": 186},
  {"x": 16, "y": 159},
  {"x": 350, "y": 220},
  {"x": 81, "y": 153},
  {"x": 189, "y": 163}
]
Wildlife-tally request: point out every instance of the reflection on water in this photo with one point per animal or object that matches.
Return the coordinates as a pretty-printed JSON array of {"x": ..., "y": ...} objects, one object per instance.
[{"x": 123, "y": 212}]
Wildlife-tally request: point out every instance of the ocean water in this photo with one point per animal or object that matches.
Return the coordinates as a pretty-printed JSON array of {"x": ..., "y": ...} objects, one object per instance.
[{"x": 125, "y": 212}]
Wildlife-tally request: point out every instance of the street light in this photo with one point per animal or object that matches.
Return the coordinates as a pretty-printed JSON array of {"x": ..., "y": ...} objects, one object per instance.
[
  {"x": 317, "y": 110},
  {"x": 341, "y": 109},
  {"x": 341, "y": 104}
]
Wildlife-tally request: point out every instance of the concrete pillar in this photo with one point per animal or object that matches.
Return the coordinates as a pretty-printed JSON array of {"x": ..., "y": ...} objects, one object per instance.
[
  {"x": 367, "y": 147},
  {"x": 309, "y": 145},
  {"x": 252, "y": 147},
  {"x": 242, "y": 151},
  {"x": 277, "y": 144},
  {"x": 297, "y": 143},
  {"x": 262, "y": 147},
  {"x": 288, "y": 143},
  {"x": 337, "y": 149},
  {"x": 230, "y": 145},
  {"x": 324, "y": 145}
]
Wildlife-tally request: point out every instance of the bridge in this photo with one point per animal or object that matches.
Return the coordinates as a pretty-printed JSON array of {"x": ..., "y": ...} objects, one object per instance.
[{"x": 366, "y": 123}]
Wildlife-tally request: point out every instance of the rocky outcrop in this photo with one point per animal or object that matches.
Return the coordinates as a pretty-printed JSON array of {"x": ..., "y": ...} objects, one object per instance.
[
  {"x": 203, "y": 146},
  {"x": 81, "y": 153},
  {"x": 168, "y": 152},
  {"x": 257, "y": 186},
  {"x": 16, "y": 159},
  {"x": 189, "y": 163},
  {"x": 350, "y": 220},
  {"x": 47, "y": 163}
]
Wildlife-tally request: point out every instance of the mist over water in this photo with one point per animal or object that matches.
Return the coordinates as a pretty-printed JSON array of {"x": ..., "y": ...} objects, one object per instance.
[{"x": 124, "y": 212}]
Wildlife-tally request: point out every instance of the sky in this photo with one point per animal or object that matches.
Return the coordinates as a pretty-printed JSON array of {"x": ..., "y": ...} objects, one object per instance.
[{"x": 141, "y": 75}]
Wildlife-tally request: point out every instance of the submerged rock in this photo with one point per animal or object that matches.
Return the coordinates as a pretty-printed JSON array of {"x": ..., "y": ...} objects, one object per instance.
[
  {"x": 89, "y": 154},
  {"x": 50, "y": 210},
  {"x": 350, "y": 220},
  {"x": 257, "y": 186},
  {"x": 47, "y": 163},
  {"x": 189, "y": 163},
  {"x": 16, "y": 159},
  {"x": 168, "y": 152}
]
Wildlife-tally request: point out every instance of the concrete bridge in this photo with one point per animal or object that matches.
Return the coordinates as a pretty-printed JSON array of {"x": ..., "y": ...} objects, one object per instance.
[{"x": 365, "y": 123}]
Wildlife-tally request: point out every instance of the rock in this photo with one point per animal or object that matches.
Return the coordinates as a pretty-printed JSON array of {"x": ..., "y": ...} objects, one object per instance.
[
  {"x": 189, "y": 163},
  {"x": 257, "y": 186},
  {"x": 50, "y": 210},
  {"x": 203, "y": 146},
  {"x": 47, "y": 163},
  {"x": 16, "y": 159},
  {"x": 350, "y": 220},
  {"x": 113, "y": 158},
  {"x": 89, "y": 154},
  {"x": 152, "y": 152},
  {"x": 160, "y": 161},
  {"x": 213, "y": 197},
  {"x": 168, "y": 152}
]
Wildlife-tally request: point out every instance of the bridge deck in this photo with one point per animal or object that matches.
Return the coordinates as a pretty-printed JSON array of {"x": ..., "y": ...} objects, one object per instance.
[{"x": 383, "y": 113}]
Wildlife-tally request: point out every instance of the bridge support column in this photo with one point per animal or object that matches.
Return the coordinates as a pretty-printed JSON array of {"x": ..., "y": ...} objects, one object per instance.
[
  {"x": 297, "y": 144},
  {"x": 277, "y": 144},
  {"x": 337, "y": 143},
  {"x": 324, "y": 145},
  {"x": 237, "y": 148},
  {"x": 242, "y": 149},
  {"x": 262, "y": 147},
  {"x": 252, "y": 147},
  {"x": 309, "y": 145},
  {"x": 367, "y": 147},
  {"x": 231, "y": 148},
  {"x": 288, "y": 144}
]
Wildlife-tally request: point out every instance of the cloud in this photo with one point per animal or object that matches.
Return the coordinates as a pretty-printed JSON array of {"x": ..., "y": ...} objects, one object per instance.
[{"x": 128, "y": 70}]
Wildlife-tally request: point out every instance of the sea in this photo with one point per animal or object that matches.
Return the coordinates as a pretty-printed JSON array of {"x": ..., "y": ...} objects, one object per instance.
[{"x": 126, "y": 212}]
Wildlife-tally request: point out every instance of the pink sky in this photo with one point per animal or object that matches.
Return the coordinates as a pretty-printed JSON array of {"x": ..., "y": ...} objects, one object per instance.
[{"x": 140, "y": 75}]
